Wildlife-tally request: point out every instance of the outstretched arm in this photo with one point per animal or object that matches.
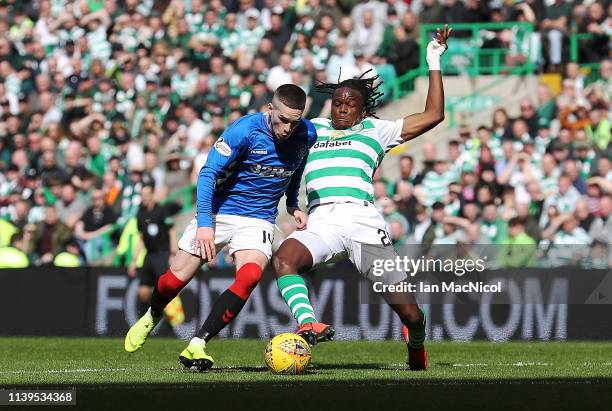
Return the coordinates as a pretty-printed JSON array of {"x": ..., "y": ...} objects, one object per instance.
[{"x": 416, "y": 124}]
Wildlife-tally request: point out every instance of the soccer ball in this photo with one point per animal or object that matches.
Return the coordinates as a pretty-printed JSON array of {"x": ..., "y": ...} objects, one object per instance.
[{"x": 287, "y": 354}]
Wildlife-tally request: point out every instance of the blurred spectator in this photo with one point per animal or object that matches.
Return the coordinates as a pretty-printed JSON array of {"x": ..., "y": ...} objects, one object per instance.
[
  {"x": 550, "y": 176},
  {"x": 519, "y": 248},
  {"x": 398, "y": 224},
  {"x": 96, "y": 220},
  {"x": 420, "y": 225},
  {"x": 176, "y": 178},
  {"x": 530, "y": 116},
  {"x": 598, "y": 129},
  {"x": 434, "y": 229},
  {"x": 492, "y": 228},
  {"x": 46, "y": 238},
  {"x": 70, "y": 256},
  {"x": 118, "y": 95},
  {"x": 601, "y": 227},
  {"x": 367, "y": 34},
  {"x": 278, "y": 33},
  {"x": 432, "y": 12},
  {"x": 111, "y": 188},
  {"x": 435, "y": 183},
  {"x": 403, "y": 53},
  {"x": 582, "y": 215},
  {"x": 594, "y": 48},
  {"x": 69, "y": 208},
  {"x": 546, "y": 110},
  {"x": 12, "y": 255},
  {"x": 279, "y": 74},
  {"x": 408, "y": 172},
  {"x": 556, "y": 26},
  {"x": 405, "y": 200},
  {"x": 576, "y": 116}
]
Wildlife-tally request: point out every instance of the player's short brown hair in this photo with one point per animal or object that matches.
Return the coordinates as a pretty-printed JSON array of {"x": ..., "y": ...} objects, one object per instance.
[{"x": 291, "y": 95}]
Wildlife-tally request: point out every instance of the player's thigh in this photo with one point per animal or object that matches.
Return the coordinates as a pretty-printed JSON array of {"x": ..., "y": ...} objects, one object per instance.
[
  {"x": 372, "y": 262},
  {"x": 324, "y": 243},
  {"x": 368, "y": 241},
  {"x": 188, "y": 242},
  {"x": 369, "y": 259},
  {"x": 250, "y": 235},
  {"x": 185, "y": 265},
  {"x": 242, "y": 257}
]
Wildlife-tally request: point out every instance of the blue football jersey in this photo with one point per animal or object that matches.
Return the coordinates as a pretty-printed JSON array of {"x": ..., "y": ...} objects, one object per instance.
[{"x": 248, "y": 170}]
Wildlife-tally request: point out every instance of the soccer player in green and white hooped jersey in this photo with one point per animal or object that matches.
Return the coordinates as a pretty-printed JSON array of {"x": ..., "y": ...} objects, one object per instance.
[{"x": 342, "y": 219}]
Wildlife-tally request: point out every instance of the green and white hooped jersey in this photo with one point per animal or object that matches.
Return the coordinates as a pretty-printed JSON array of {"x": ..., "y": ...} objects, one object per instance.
[{"x": 341, "y": 164}]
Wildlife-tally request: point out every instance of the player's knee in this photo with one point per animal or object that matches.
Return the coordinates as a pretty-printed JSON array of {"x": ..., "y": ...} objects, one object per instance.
[{"x": 282, "y": 265}]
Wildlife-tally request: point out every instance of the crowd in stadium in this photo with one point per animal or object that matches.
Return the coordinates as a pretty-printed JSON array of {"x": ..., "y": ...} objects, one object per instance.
[{"x": 99, "y": 98}]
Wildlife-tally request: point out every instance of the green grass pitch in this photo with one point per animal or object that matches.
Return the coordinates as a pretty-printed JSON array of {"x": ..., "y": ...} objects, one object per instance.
[{"x": 342, "y": 375}]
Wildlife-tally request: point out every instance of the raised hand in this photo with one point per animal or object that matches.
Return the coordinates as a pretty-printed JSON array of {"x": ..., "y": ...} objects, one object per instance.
[{"x": 442, "y": 36}]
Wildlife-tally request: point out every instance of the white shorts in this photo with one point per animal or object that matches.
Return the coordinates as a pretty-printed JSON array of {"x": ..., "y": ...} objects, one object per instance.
[
  {"x": 355, "y": 231},
  {"x": 240, "y": 233}
]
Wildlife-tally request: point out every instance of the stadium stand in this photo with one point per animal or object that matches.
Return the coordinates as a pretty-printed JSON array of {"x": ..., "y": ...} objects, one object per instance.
[{"x": 99, "y": 97}]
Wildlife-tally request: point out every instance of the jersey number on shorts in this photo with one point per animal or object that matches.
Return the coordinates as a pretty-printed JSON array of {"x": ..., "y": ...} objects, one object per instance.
[
  {"x": 267, "y": 236},
  {"x": 384, "y": 237}
]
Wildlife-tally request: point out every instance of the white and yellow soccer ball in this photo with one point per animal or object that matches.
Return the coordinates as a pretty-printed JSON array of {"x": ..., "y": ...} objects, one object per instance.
[{"x": 287, "y": 353}]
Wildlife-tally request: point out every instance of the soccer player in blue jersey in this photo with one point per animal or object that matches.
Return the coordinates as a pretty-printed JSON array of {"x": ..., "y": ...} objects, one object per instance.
[{"x": 258, "y": 158}]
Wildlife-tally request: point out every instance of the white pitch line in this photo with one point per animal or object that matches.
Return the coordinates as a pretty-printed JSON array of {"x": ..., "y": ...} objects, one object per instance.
[
  {"x": 64, "y": 371},
  {"x": 515, "y": 364}
]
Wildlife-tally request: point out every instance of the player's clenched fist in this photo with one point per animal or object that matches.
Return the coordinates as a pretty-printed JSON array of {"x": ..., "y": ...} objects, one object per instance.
[{"x": 205, "y": 238}]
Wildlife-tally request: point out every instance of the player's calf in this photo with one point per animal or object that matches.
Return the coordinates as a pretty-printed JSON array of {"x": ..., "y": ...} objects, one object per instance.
[
  {"x": 413, "y": 333},
  {"x": 417, "y": 357},
  {"x": 167, "y": 288},
  {"x": 231, "y": 301}
]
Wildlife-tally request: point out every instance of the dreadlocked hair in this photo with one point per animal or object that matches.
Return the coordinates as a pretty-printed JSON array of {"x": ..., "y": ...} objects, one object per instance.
[{"x": 367, "y": 86}]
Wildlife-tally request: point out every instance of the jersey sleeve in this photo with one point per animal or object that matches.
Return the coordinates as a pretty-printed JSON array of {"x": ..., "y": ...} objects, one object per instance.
[
  {"x": 233, "y": 143},
  {"x": 389, "y": 132}
]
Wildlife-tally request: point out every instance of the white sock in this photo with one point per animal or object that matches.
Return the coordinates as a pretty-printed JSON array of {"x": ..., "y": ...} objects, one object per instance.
[
  {"x": 148, "y": 314},
  {"x": 198, "y": 341}
]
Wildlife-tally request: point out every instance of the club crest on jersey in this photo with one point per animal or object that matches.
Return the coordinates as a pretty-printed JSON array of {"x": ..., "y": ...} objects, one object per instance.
[
  {"x": 223, "y": 148},
  {"x": 336, "y": 134}
]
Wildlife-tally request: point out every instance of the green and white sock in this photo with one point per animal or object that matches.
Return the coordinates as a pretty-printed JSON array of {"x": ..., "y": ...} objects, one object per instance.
[
  {"x": 416, "y": 334},
  {"x": 294, "y": 291}
]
